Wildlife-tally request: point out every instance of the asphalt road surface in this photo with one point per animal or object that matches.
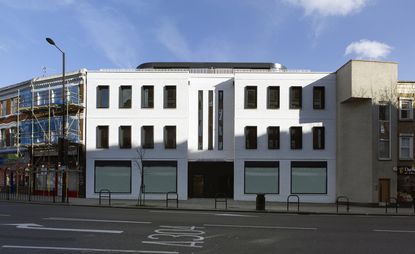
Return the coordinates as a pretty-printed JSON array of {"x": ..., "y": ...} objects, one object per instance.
[{"x": 29, "y": 228}]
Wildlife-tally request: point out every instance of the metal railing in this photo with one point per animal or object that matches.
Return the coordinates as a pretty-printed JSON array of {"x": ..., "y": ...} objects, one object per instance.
[
  {"x": 389, "y": 203},
  {"x": 221, "y": 198},
  {"x": 105, "y": 193},
  {"x": 176, "y": 198},
  {"x": 338, "y": 202},
  {"x": 288, "y": 202}
]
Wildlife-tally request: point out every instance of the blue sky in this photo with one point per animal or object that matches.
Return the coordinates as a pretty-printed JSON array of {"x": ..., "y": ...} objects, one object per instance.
[{"x": 320, "y": 35}]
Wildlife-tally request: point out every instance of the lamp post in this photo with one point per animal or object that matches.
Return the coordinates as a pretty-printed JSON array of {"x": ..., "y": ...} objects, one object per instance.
[{"x": 62, "y": 140}]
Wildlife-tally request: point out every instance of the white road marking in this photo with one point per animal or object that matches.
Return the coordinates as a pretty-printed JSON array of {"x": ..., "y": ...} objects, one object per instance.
[
  {"x": 4, "y": 215},
  {"x": 95, "y": 220},
  {"x": 86, "y": 249},
  {"x": 40, "y": 227},
  {"x": 258, "y": 227},
  {"x": 393, "y": 231},
  {"x": 202, "y": 213}
]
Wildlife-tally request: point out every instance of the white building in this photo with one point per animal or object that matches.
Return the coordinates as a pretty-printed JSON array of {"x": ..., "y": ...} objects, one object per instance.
[{"x": 209, "y": 128}]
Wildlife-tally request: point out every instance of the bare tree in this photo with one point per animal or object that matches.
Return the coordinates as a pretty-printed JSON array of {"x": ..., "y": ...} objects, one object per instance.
[{"x": 139, "y": 161}]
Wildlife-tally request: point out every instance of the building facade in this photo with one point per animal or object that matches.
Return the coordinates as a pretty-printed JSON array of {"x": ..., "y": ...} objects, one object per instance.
[{"x": 232, "y": 129}]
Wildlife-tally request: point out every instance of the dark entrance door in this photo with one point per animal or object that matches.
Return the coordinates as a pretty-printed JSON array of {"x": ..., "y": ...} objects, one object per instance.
[{"x": 206, "y": 179}]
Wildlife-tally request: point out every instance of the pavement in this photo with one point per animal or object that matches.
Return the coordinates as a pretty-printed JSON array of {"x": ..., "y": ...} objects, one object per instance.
[{"x": 247, "y": 206}]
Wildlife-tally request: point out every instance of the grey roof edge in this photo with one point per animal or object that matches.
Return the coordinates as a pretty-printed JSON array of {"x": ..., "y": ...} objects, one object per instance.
[{"x": 207, "y": 65}]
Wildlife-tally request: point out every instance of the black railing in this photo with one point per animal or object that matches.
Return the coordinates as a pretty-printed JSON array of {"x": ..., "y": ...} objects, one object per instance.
[
  {"x": 168, "y": 198},
  {"x": 339, "y": 202},
  {"x": 25, "y": 193},
  {"x": 389, "y": 203},
  {"x": 221, "y": 198},
  {"x": 288, "y": 202},
  {"x": 105, "y": 193}
]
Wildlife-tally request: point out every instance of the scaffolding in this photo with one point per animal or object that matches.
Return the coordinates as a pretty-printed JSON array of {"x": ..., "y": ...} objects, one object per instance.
[{"x": 39, "y": 129}]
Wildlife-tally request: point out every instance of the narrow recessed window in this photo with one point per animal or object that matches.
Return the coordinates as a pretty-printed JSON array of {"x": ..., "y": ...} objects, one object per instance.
[
  {"x": 4, "y": 108},
  {"x": 210, "y": 120},
  {"x": 103, "y": 96},
  {"x": 147, "y": 137},
  {"x": 220, "y": 120},
  {"x": 296, "y": 135},
  {"x": 125, "y": 137},
  {"x": 318, "y": 138},
  {"x": 250, "y": 97},
  {"x": 406, "y": 142},
  {"x": 102, "y": 136},
  {"x": 273, "y": 137},
  {"x": 318, "y": 97},
  {"x": 13, "y": 137},
  {"x": 147, "y": 97},
  {"x": 125, "y": 97},
  {"x": 384, "y": 132},
  {"x": 295, "y": 97},
  {"x": 170, "y": 97},
  {"x": 250, "y": 137},
  {"x": 200, "y": 120},
  {"x": 273, "y": 97},
  {"x": 170, "y": 137},
  {"x": 405, "y": 109}
]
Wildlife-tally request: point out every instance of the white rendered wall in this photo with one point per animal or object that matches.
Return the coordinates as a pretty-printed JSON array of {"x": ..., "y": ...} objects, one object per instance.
[
  {"x": 284, "y": 117},
  {"x": 136, "y": 117}
]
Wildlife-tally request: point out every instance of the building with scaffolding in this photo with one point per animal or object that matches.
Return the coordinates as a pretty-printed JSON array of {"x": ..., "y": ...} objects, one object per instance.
[{"x": 31, "y": 130}]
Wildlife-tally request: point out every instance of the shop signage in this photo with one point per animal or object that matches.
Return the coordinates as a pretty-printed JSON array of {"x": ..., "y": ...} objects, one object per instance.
[{"x": 406, "y": 170}]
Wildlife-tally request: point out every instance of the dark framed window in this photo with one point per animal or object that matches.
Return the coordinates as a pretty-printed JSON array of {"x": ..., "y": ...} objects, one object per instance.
[
  {"x": 210, "y": 120},
  {"x": 170, "y": 97},
  {"x": 160, "y": 176},
  {"x": 112, "y": 175},
  {"x": 125, "y": 136},
  {"x": 147, "y": 97},
  {"x": 170, "y": 137},
  {"x": 296, "y": 97},
  {"x": 319, "y": 97},
  {"x": 309, "y": 177},
  {"x": 261, "y": 177},
  {"x": 273, "y": 137},
  {"x": 102, "y": 136},
  {"x": 251, "y": 137},
  {"x": 296, "y": 136},
  {"x": 273, "y": 97},
  {"x": 200, "y": 121},
  {"x": 147, "y": 137},
  {"x": 318, "y": 138},
  {"x": 220, "y": 120},
  {"x": 103, "y": 96},
  {"x": 125, "y": 97},
  {"x": 250, "y": 97}
]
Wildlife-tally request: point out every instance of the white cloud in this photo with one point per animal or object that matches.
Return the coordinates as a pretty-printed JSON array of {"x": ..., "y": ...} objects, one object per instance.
[
  {"x": 171, "y": 38},
  {"x": 366, "y": 49},
  {"x": 327, "y": 8}
]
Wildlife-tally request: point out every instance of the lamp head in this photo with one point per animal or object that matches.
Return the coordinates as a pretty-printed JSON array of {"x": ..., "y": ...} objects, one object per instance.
[{"x": 50, "y": 41}]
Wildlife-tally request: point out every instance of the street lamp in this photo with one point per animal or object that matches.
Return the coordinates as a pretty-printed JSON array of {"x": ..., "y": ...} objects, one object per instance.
[{"x": 62, "y": 140}]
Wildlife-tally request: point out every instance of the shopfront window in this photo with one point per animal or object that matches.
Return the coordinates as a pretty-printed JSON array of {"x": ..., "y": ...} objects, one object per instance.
[
  {"x": 160, "y": 176},
  {"x": 113, "y": 175},
  {"x": 308, "y": 177},
  {"x": 261, "y": 177}
]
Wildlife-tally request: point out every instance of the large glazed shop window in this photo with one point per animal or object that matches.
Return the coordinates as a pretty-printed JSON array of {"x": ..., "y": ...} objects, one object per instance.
[
  {"x": 160, "y": 176},
  {"x": 309, "y": 177},
  {"x": 113, "y": 175},
  {"x": 261, "y": 177}
]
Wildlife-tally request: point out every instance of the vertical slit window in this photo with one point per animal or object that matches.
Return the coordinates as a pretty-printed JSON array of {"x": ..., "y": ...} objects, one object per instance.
[
  {"x": 170, "y": 97},
  {"x": 170, "y": 137},
  {"x": 273, "y": 137},
  {"x": 125, "y": 97},
  {"x": 318, "y": 97},
  {"x": 200, "y": 120},
  {"x": 125, "y": 137},
  {"x": 220, "y": 120},
  {"x": 250, "y": 137},
  {"x": 210, "y": 120},
  {"x": 273, "y": 97},
  {"x": 384, "y": 131},
  {"x": 250, "y": 97},
  {"x": 147, "y": 137},
  {"x": 318, "y": 138},
  {"x": 295, "y": 97},
  {"x": 103, "y": 96},
  {"x": 147, "y": 97},
  {"x": 102, "y": 136},
  {"x": 296, "y": 135}
]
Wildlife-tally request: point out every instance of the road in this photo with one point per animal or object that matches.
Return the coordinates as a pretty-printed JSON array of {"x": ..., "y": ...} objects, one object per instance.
[{"x": 30, "y": 228}]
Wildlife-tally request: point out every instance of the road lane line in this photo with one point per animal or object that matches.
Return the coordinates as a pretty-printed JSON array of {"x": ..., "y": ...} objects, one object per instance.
[
  {"x": 33, "y": 226},
  {"x": 393, "y": 231},
  {"x": 4, "y": 215},
  {"x": 85, "y": 249},
  {"x": 95, "y": 220},
  {"x": 202, "y": 213},
  {"x": 258, "y": 227}
]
